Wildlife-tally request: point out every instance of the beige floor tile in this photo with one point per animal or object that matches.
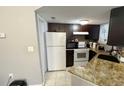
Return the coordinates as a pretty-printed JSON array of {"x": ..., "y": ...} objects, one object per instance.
[
  {"x": 50, "y": 75},
  {"x": 50, "y": 82},
  {"x": 58, "y": 78}
]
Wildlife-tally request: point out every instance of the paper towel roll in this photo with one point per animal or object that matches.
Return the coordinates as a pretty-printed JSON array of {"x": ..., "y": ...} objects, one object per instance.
[{"x": 94, "y": 45}]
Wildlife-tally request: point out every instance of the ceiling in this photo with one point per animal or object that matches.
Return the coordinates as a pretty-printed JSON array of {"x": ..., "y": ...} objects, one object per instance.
[{"x": 73, "y": 14}]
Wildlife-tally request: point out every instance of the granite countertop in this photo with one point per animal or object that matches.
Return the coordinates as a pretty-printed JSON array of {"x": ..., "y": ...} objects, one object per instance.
[
  {"x": 75, "y": 48},
  {"x": 99, "y": 51},
  {"x": 101, "y": 72},
  {"x": 69, "y": 49}
]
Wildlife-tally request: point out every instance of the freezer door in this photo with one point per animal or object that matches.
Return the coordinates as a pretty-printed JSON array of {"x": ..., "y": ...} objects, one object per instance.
[
  {"x": 56, "y": 38},
  {"x": 56, "y": 58}
]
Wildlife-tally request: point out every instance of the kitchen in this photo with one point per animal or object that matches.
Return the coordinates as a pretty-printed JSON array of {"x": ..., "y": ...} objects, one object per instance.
[
  {"x": 78, "y": 38},
  {"x": 74, "y": 43}
]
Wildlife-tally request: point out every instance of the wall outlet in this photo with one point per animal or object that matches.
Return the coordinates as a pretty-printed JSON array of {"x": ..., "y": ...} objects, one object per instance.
[{"x": 11, "y": 75}]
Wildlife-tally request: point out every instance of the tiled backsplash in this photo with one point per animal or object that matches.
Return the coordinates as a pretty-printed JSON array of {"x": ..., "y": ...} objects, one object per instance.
[{"x": 79, "y": 37}]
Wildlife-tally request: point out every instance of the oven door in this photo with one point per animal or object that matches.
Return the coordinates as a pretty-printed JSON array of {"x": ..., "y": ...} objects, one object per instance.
[{"x": 81, "y": 55}]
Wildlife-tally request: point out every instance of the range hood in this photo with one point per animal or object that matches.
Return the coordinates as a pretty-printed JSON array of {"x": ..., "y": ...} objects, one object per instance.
[{"x": 80, "y": 33}]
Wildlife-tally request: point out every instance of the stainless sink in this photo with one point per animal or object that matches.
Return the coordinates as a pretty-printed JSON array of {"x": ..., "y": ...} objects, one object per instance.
[{"x": 108, "y": 57}]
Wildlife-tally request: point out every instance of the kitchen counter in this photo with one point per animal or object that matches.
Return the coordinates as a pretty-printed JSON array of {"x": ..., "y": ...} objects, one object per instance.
[
  {"x": 101, "y": 72},
  {"x": 75, "y": 48},
  {"x": 99, "y": 51},
  {"x": 69, "y": 49},
  {"x": 95, "y": 50}
]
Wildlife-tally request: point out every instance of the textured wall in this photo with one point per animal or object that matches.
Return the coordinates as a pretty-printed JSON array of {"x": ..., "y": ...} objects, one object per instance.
[{"x": 18, "y": 23}]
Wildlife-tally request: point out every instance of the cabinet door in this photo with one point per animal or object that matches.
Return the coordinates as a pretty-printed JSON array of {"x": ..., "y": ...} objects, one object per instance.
[
  {"x": 94, "y": 32},
  {"x": 52, "y": 27},
  {"x": 69, "y": 58},
  {"x": 57, "y": 27},
  {"x": 84, "y": 28}
]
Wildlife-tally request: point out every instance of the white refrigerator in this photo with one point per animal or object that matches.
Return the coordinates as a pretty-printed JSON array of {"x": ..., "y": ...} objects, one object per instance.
[{"x": 56, "y": 50}]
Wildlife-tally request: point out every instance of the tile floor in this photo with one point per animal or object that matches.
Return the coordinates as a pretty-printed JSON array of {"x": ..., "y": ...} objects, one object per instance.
[{"x": 58, "y": 78}]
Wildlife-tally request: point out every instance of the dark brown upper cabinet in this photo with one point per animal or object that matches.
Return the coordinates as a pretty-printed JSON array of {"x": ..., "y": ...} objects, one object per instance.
[
  {"x": 93, "y": 32},
  {"x": 70, "y": 28},
  {"x": 84, "y": 28},
  {"x": 116, "y": 27},
  {"x": 61, "y": 27}
]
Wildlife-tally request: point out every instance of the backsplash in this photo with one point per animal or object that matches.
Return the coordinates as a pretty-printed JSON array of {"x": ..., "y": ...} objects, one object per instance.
[{"x": 79, "y": 37}]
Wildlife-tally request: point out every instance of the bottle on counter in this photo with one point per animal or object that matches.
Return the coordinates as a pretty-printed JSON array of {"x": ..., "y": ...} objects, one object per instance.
[
  {"x": 90, "y": 44},
  {"x": 94, "y": 45},
  {"x": 76, "y": 40}
]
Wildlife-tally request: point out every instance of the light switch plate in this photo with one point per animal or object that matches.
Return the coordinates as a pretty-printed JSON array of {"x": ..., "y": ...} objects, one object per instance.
[
  {"x": 2, "y": 35},
  {"x": 30, "y": 49}
]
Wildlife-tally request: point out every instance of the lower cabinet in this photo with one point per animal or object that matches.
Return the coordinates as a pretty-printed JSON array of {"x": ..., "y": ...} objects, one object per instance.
[{"x": 69, "y": 58}]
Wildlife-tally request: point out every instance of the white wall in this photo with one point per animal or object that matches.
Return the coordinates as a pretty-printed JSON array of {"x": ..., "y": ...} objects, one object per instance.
[
  {"x": 103, "y": 36},
  {"x": 18, "y": 23}
]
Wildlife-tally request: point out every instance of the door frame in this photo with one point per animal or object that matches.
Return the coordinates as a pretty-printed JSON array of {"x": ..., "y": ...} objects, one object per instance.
[{"x": 38, "y": 20}]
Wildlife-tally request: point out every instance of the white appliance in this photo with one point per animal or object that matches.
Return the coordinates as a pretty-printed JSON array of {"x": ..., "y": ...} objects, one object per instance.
[
  {"x": 56, "y": 50},
  {"x": 81, "y": 56},
  {"x": 82, "y": 44}
]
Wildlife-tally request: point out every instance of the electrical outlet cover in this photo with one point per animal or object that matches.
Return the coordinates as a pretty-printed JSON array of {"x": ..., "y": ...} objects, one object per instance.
[
  {"x": 11, "y": 75},
  {"x": 30, "y": 49}
]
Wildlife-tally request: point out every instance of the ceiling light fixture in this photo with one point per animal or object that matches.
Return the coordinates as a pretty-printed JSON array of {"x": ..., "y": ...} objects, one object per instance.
[{"x": 83, "y": 22}]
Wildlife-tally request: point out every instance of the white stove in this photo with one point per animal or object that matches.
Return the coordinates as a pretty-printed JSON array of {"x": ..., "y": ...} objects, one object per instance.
[{"x": 81, "y": 56}]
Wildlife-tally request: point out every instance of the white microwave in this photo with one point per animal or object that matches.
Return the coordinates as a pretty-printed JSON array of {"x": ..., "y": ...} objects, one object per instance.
[{"x": 82, "y": 44}]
